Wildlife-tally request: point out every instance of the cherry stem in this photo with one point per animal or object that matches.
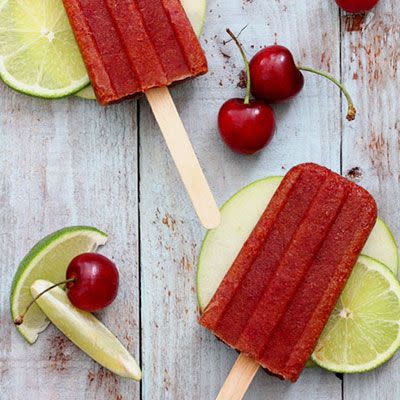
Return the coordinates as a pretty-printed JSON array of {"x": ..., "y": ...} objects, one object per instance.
[
  {"x": 246, "y": 63},
  {"x": 351, "y": 113},
  {"x": 20, "y": 320}
]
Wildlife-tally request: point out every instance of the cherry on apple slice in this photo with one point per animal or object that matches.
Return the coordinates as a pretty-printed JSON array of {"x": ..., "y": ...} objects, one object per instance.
[
  {"x": 246, "y": 126},
  {"x": 357, "y": 6},
  {"x": 276, "y": 78},
  {"x": 92, "y": 283}
]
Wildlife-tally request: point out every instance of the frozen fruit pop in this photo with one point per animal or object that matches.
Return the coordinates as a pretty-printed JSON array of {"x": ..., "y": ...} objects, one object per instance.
[
  {"x": 275, "y": 300},
  {"x": 131, "y": 46},
  {"x": 143, "y": 46}
]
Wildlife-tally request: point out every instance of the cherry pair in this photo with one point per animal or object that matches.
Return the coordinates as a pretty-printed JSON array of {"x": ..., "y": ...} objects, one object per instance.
[{"x": 248, "y": 125}]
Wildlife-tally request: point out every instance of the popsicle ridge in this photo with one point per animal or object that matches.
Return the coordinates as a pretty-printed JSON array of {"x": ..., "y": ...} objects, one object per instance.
[
  {"x": 159, "y": 28},
  {"x": 88, "y": 47},
  {"x": 120, "y": 11},
  {"x": 283, "y": 297},
  {"x": 190, "y": 51}
]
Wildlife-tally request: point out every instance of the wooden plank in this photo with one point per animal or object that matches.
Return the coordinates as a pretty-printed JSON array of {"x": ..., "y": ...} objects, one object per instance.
[
  {"x": 63, "y": 163},
  {"x": 180, "y": 359},
  {"x": 371, "y": 145}
]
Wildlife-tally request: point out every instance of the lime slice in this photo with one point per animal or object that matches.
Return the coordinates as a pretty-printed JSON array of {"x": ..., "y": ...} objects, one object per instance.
[
  {"x": 49, "y": 260},
  {"x": 363, "y": 331},
  {"x": 195, "y": 10},
  {"x": 38, "y": 52},
  {"x": 87, "y": 332}
]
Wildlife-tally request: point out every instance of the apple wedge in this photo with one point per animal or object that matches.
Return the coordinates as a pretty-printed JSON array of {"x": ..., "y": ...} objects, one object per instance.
[
  {"x": 239, "y": 216},
  {"x": 84, "y": 330},
  {"x": 196, "y": 12}
]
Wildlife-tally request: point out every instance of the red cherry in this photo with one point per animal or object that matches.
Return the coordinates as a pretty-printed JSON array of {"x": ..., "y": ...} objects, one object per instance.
[
  {"x": 276, "y": 78},
  {"x": 274, "y": 75},
  {"x": 95, "y": 284},
  {"x": 246, "y": 128},
  {"x": 357, "y": 6}
]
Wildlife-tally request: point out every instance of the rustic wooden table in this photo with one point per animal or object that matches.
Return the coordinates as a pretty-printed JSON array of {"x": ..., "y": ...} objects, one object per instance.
[{"x": 72, "y": 162}]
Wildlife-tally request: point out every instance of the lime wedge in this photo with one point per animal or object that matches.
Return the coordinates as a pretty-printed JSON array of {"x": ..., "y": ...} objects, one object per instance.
[
  {"x": 363, "y": 331},
  {"x": 38, "y": 52},
  {"x": 196, "y": 12},
  {"x": 87, "y": 332},
  {"x": 49, "y": 259}
]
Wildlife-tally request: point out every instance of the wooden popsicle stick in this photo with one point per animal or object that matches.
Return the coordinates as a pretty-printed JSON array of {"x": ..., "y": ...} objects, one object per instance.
[
  {"x": 239, "y": 379},
  {"x": 184, "y": 156}
]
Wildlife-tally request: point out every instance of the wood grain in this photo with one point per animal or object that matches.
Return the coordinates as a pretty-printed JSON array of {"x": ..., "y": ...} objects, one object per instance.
[
  {"x": 63, "y": 163},
  {"x": 371, "y": 146}
]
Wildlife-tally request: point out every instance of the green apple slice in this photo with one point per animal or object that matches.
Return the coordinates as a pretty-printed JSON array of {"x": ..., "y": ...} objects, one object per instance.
[
  {"x": 363, "y": 331},
  {"x": 49, "y": 260},
  {"x": 239, "y": 216},
  {"x": 85, "y": 331},
  {"x": 86, "y": 93},
  {"x": 195, "y": 10},
  {"x": 382, "y": 246}
]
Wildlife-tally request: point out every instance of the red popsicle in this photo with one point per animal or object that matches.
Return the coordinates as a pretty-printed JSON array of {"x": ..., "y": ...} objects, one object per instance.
[
  {"x": 277, "y": 297},
  {"x": 130, "y": 46},
  {"x": 143, "y": 46}
]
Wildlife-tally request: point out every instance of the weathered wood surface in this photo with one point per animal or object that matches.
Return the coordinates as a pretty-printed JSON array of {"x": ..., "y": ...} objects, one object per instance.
[
  {"x": 371, "y": 146},
  {"x": 70, "y": 161}
]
